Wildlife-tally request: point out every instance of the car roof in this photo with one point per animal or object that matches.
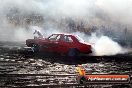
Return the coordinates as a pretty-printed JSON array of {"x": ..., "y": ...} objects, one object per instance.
[{"x": 63, "y": 34}]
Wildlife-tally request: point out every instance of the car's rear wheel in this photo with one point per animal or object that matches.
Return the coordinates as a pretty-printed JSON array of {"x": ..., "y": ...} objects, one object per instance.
[
  {"x": 35, "y": 47},
  {"x": 73, "y": 52}
]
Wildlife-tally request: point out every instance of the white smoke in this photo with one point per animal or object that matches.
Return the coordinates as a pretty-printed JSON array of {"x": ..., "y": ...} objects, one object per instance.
[
  {"x": 91, "y": 12},
  {"x": 118, "y": 10},
  {"x": 103, "y": 45}
]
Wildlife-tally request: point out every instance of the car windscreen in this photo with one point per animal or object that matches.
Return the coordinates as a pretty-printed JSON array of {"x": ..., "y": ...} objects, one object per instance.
[
  {"x": 53, "y": 37},
  {"x": 79, "y": 38}
]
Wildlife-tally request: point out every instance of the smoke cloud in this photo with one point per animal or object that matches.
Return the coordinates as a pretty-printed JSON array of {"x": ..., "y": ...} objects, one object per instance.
[
  {"x": 103, "y": 45},
  {"x": 110, "y": 18}
]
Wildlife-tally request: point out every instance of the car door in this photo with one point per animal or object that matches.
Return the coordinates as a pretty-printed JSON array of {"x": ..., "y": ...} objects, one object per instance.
[
  {"x": 51, "y": 43},
  {"x": 64, "y": 44},
  {"x": 54, "y": 43}
]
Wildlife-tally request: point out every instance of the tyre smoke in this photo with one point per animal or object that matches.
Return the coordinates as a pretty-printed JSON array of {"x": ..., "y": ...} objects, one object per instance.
[
  {"x": 20, "y": 17},
  {"x": 103, "y": 45}
]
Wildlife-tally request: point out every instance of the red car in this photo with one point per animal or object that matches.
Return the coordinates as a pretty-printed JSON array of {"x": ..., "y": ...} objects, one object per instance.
[{"x": 67, "y": 44}]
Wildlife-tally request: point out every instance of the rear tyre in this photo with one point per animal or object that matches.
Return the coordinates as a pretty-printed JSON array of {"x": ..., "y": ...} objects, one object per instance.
[{"x": 73, "y": 52}]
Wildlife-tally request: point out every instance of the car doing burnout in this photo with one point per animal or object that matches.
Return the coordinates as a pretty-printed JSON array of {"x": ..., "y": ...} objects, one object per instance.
[{"x": 66, "y": 44}]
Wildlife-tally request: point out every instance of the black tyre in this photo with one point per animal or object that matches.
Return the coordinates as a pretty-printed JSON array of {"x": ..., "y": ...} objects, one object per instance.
[{"x": 73, "y": 52}]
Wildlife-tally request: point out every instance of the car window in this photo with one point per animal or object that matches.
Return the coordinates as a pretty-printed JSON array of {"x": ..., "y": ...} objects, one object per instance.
[
  {"x": 68, "y": 39},
  {"x": 58, "y": 37},
  {"x": 62, "y": 38},
  {"x": 53, "y": 37},
  {"x": 79, "y": 38}
]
